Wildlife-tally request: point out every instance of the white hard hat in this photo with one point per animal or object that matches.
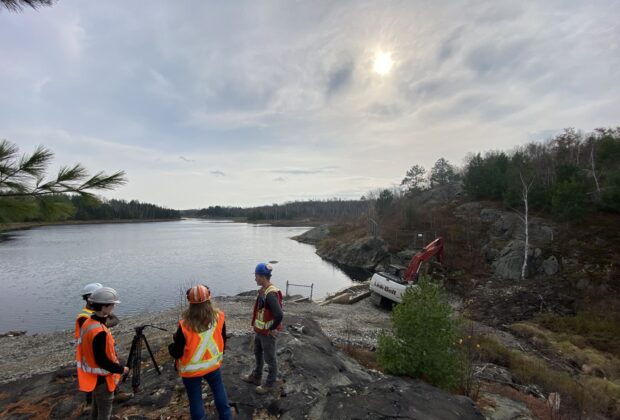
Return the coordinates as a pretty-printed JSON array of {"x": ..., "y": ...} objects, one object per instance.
[
  {"x": 104, "y": 295},
  {"x": 90, "y": 288}
]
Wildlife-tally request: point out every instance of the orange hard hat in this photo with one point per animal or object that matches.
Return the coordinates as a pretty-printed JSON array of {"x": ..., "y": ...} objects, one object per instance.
[{"x": 198, "y": 294}]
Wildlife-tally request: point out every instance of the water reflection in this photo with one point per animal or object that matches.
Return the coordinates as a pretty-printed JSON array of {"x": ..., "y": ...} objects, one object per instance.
[{"x": 43, "y": 270}]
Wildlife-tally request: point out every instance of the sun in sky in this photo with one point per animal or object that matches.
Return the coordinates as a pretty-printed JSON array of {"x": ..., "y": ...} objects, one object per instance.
[{"x": 383, "y": 63}]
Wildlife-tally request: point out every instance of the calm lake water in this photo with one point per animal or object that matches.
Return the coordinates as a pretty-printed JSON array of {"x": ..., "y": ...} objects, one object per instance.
[{"x": 43, "y": 270}]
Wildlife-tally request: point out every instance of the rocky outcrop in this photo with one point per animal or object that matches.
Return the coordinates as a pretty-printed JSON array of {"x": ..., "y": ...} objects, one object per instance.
[
  {"x": 504, "y": 246},
  {"x": 319, "y": 382},
  {"x": 365, "y": 253},
  {"x": 510, "y": 260},
  {"x": 439, "y": 195},
  {"x": 314, "y": 235}
]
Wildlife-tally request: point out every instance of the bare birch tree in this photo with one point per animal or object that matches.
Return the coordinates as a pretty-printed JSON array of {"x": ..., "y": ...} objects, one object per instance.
[
  {"x": 598, "y": 188},
  {"x": 525, "y": 218}
]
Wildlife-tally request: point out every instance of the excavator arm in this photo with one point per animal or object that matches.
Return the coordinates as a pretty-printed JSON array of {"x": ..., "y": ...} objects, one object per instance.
[{"x": 434, "y": 248}]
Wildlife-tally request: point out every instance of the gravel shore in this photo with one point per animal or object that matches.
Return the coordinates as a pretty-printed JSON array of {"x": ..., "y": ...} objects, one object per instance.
[{"x": 24, "y": 356}]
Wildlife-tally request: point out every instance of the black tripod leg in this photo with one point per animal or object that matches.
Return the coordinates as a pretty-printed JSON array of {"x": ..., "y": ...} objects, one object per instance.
[
  {"x": 137, "y": 364},
  {"x": 132, "y": 355},
  {"x": 152, "y": 357}
]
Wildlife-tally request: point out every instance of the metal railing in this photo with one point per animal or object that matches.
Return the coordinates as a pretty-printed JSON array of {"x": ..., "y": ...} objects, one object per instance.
[{"x": 300, "y": 285}]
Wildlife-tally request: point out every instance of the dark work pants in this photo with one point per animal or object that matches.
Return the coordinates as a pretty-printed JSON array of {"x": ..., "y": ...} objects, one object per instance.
[
  {"x": 102, "y": 402},
  {"x": 265, "y": 352},
  {"x": 193, "y": 386}
]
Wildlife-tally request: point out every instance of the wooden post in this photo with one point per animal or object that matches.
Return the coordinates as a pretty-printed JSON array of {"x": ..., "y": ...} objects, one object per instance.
[
  {"x": 311, "y": 287},
  {"x": 286, "y": 289}
]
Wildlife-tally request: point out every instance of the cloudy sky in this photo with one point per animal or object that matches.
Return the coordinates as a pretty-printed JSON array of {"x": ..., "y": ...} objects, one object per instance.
[{"x": 259, "y": 102}]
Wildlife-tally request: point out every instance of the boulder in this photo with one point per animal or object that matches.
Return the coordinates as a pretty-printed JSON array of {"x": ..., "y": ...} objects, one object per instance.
[
  {"x": 508, "y": 264},
  {"x": 551, "y": 266},
  {"x": 505, "y": 226},
  {"x": 540, "y": 232}
]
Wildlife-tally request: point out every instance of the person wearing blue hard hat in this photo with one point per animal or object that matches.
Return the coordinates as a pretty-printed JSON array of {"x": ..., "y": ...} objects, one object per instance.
[{"x": 267, "y": 323}]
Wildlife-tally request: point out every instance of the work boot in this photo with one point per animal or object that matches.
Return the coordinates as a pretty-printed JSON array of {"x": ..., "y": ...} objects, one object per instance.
[
  {"x": 121, "y": 396},
  {"x": 251, "y": 379},
  {"x": 264, "y": 389}
]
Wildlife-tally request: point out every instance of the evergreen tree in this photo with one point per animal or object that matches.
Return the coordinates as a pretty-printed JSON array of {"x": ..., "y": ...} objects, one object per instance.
[
  {"x": 415, "y": 179},
  {"x": 442, "y": 173},
  {"x": 384, "y": 201},
  {"x": 424, "y": 342},
  {"x": 19, "y": 5}
]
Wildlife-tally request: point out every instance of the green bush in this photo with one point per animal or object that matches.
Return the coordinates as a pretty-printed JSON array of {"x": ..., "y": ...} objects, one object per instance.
[
  {"x": 610, "y": 199},
  {"x": 425, "y": 339},
  {"x": 569, "y": 200}
]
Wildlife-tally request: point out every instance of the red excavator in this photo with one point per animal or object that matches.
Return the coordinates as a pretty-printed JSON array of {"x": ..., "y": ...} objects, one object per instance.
[{"x": 390, "y": 286}]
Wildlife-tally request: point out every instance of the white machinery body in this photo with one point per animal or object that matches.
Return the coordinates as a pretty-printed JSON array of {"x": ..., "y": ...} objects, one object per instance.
[{"x": 388, "y": 286}]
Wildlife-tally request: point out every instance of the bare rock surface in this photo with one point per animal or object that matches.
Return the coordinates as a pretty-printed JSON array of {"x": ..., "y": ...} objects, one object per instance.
[
  {"x": 317, "y": 381},
  {"x": 497, "y": 407},
  {"x": 27, "y": 355}
]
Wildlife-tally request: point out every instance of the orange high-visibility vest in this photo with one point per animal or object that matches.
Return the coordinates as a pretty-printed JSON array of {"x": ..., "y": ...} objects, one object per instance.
[
  {"x": 262, "y": 319},
  {"x": 86, "y": 313},
  {"x": 203, "y": 352},
  {"x": 87, "y": 368}
]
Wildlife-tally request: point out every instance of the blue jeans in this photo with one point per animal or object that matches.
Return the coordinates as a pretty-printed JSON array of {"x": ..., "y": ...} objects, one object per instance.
[{"x": 193, "y": 386}]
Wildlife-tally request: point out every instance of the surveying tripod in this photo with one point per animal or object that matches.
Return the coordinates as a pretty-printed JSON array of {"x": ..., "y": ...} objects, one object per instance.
[{"x": 134, "y": 361}]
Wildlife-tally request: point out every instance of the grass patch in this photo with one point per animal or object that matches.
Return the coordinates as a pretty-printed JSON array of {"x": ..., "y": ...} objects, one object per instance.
[
  {"x": 584, "y": 393},
  {"x": 599, "y": 330},
  {"x": 572, "y": 348},
  {"x": 364, "y": 357}
]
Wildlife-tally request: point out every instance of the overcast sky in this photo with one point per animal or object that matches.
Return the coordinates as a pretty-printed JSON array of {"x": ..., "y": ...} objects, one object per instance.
[{"x": 260, "y": 102}]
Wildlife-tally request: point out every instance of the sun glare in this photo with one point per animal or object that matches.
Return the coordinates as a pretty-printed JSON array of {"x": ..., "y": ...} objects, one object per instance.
[{"x": 383, "y": 63}]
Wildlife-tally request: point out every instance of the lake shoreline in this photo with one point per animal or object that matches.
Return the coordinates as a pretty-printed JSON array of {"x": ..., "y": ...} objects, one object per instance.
[{"x": 14, "y": 227}]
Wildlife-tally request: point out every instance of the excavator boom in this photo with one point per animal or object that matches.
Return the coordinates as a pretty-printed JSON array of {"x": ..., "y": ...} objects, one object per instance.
[
  {"x": 388, "y": 287},
  {"x": 435, "y": 248}
]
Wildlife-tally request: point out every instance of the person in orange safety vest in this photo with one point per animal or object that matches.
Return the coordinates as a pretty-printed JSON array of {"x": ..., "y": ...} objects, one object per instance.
[
  {"x": 87, "y": 311},
  {"x": 267, "y": 323},
  {"x": 198, "y": 348},
  {"x": 98, "y": 367}
]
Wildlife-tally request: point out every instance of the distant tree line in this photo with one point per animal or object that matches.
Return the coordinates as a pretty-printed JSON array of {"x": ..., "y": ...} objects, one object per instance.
[
  {"x": 76, "y": 207},
  {"x": 312, "y": 209},
  {"x": 85, "y": 209}
]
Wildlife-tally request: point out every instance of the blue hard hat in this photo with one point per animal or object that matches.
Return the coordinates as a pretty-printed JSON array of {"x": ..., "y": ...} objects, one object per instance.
[{"x": 263, "y": 269}]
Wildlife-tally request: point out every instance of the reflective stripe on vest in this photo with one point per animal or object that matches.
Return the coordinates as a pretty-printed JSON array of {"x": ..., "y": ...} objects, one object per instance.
[
  {"x": 207, "y": 343},
  {"x": 84, "y": 331},
  {"x": 85, "y": 313},
  {"x": 83, "y": 364},
  {"x": 260, "y": 314}
]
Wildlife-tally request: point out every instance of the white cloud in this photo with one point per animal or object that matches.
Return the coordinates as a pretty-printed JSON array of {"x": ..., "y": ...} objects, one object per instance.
[{"x": 186, "y": 93}]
